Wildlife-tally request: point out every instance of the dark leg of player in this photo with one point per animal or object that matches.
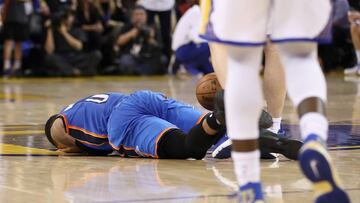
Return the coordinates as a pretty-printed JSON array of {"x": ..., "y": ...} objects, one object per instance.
[
  {"x": 314, "y": 160},
  {"x": 176, "y": 144},
  {"x": 306, "y": 86}
]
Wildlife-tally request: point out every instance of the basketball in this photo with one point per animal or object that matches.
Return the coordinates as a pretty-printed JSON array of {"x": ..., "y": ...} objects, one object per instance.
[{"x": 206, "y": 89}]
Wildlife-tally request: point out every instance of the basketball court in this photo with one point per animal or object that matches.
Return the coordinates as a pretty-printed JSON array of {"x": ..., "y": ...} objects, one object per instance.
[{"x": 31, "y": 171}]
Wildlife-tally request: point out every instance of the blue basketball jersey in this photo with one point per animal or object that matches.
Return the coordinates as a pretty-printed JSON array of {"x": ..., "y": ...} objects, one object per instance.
[
  {"x": 86, "y": 120},
  {"x": 130, "y": 124}
]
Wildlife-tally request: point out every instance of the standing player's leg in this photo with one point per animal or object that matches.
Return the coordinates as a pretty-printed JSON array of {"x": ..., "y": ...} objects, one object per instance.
[
  {"x": 243, "y": 107},
  {"x": 307, "y": 89},
  {"x": 354, "y": 18},
  {"x": 8, "y": 45},
  {"x": 18, "y": 57},
  {"x": 218, "y": 60},
  {"x": 274, "y": 79},
  {"x": 274, "y": 85},
  {"x": 243, "y": 95}
]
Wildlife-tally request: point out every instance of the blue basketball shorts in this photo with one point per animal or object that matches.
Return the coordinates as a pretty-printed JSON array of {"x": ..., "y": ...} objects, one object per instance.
[{"x": 137, "y": 123}]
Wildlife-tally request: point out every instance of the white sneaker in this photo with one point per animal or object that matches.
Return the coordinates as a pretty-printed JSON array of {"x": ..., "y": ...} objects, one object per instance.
[{"x": 352, "y": 71}]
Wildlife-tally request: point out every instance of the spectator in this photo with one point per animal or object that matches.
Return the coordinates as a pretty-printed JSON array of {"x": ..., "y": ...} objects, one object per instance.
[
  {"x": 190, "y": 49},
  {"x": 58, "y": 5},
  {"x": 354, "y": 19},
  {"x": 114, "y": 18},
  {"x": 340, "y": 52},
  {"x": 162, "y": 9},
  {"x": 64, "y": 48},
  {"x": 181, "y": 6},
  {"x": 15, "y": 30},
  {"x": 140, "y": 52},
  {"x": 89, "y": 19}
]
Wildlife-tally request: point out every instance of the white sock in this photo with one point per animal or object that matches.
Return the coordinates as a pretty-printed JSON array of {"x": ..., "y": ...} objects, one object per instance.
[
  {"x": 17, "y": 64},
  {"x": 276, "y": 125},
  {"x": 7, "y": 64},
  {"x": 358, "y": 56},
  {"x": 247, "y": 166},
  {"x": 314, "y": 123}
]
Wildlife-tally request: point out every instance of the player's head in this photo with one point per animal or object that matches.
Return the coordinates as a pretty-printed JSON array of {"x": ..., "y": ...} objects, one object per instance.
[{"x": 55, "y": 131}]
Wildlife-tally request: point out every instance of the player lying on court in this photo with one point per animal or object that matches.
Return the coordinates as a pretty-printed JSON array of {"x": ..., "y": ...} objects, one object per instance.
[{"x": 145, "y": 124}]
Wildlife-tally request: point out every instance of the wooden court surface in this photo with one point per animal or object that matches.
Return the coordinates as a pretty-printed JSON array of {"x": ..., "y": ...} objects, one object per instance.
[{"x": 31, "y": 172}]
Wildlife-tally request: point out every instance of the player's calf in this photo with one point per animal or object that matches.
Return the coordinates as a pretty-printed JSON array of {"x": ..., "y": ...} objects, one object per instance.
[{"x": 315, "y": 162}]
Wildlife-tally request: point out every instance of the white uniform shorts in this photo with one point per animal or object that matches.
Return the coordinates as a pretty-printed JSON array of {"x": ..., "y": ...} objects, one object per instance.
[{"x": 247, "y": 22}]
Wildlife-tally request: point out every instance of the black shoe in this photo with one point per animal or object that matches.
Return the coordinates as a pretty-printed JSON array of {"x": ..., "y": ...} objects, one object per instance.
[
  {"x": 270, "y": 142},
  {"x": 265, "y": 155},
  {"x": 219, "y": 107},
  {"x": 265, "y": 120}
]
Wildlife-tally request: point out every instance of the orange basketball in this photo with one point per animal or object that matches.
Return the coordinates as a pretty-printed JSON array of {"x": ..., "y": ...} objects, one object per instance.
[{"x": 206, "y": 89}]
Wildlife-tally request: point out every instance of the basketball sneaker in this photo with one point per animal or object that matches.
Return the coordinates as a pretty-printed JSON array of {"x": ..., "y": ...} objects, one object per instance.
[
  {"x": 219, "y": 107},
  {"x": 250, "y": 193},
  {"x": 353, "y": 70},
  {"x": 222, "y": 149},
  {"x": 282, "y": 133},
  {"x": 268, "y": 143},
  {"x": 316, "y": 165}
]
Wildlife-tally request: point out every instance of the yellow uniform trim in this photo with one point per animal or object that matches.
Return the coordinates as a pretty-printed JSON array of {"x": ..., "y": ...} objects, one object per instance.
[{"x": 205, "y": 7}]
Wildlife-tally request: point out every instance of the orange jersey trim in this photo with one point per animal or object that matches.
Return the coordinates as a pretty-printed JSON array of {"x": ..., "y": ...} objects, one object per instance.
[
  {"x": 81, "y": 129},
  {"x": 200, "y": 119},
  {"x": 113, "y": 146},
  {"x": 66, "y": 123},
  {"x": 89, "y": 143}
]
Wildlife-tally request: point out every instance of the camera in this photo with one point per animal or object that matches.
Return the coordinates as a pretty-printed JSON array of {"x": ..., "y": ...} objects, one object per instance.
[
  {"x": 145, "y": 32},
  {"x": 57, "y": 18}
]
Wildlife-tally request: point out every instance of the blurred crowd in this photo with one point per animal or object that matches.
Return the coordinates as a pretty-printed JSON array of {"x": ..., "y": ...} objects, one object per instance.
[
  {"x": 125, "y": 37},
  {"x": 87, "y": 37}
]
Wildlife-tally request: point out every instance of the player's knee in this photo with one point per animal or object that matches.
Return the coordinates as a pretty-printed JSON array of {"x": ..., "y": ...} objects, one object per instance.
[
  {"x": 297, "y": 50},
  {"x": 245, "y": 55}
]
